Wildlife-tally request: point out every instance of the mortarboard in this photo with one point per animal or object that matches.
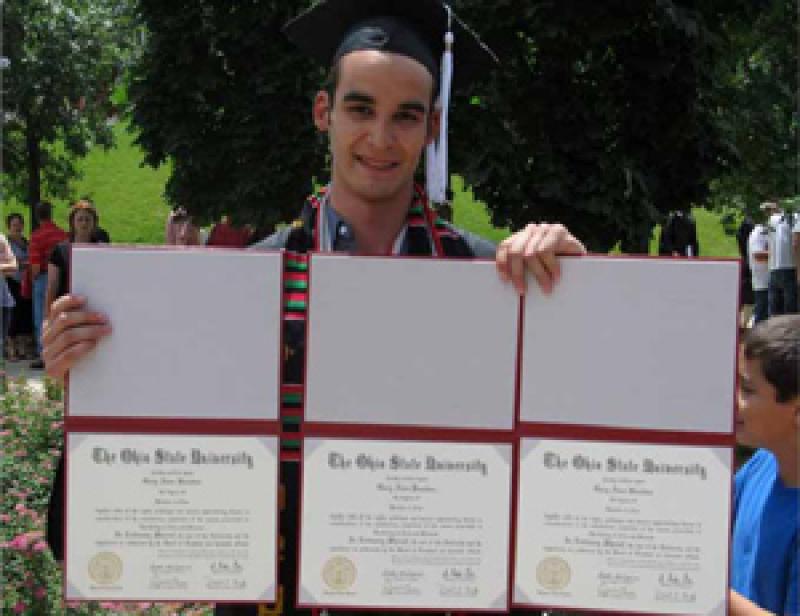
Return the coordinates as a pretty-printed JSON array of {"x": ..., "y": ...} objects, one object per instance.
[{"x": 425, "y": 30}]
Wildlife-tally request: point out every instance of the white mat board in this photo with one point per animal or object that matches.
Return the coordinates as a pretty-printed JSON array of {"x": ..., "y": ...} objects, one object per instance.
[
  {"x": 410, "y": 342},
  {"x": 195, "y": 333}
]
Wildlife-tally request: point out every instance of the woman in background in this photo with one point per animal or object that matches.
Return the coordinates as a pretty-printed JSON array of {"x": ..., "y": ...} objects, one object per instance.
[
  {"x": 8, "y": 267},
  {"x": 82, "y": 225},
  {"x": 20, "y": 333},
  {"x": 180, "y": 230}
]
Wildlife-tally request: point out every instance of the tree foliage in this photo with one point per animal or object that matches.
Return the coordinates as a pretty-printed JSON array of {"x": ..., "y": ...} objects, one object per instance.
[
  {"x": 757, "y": 79},
  {"x": 599, "y": 116},
  {"x": 63, "y": 58},
  {"x": 222, "y": 94},
  {"x": 603, "y": 116}
]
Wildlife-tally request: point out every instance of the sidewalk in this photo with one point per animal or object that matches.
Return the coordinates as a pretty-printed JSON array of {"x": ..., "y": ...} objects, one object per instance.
[{"x": 22, "y": 369}]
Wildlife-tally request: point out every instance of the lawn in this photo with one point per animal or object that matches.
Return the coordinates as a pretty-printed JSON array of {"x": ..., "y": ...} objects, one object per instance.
[{"x": 129, "y": 198}]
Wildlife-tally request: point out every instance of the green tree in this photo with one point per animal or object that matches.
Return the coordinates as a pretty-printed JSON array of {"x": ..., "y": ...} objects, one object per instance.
[
  {"x": 598, "y": 117},
  {"x": 757, "y": 79},
  {"x": 221, "y": 93},
  {"x": 63, "y": 59}
]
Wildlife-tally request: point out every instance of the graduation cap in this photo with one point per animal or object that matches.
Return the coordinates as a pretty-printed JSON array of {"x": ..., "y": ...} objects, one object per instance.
[{"x": 427, "y": 31}]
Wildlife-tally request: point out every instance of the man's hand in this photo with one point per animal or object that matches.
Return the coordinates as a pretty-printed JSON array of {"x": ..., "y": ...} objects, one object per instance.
[
  {"x": 70, "y": 333},
  {"x": 535, "y": 249}
]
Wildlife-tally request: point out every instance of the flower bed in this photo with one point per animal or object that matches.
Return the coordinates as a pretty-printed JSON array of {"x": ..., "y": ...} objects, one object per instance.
[{"x": 31, "y": 438}]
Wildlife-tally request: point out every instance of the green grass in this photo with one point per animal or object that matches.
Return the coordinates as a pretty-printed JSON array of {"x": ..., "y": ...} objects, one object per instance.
[
  {"x": 129, "y": 199},
  {"x": 128, "y": 196},
  {"x": 472, "y": 215}
]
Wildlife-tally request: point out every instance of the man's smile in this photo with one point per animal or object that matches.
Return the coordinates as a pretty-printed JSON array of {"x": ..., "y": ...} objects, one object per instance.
[{"x": 375, "y": 164}]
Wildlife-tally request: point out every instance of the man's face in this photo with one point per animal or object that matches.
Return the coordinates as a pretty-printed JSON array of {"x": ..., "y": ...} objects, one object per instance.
[
  {"x": 762, "y": 421},
  {"x": 378, "y": 123}
]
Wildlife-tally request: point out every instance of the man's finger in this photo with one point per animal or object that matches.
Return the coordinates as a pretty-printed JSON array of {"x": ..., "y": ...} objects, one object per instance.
[
  {"x": 543, "y": 251},
  {"x": 516, "y": 258},
  {"x": 57, "y": 365},
  {"x": 501, "y": 261}
]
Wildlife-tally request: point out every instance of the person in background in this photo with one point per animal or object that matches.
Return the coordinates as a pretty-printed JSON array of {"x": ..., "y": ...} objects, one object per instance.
[
  {"x": 180, "y": 230},
  {"x": 758, "y": 257},
  {"x": 8, "y": 267},
  {"x": 43, "y": 240},
  {"x": 20, "y": 334},
  {"x": 100, "y": 235},
  {"x": 782, "y": 268},
  {"x": 679, "y": 235},
  {"x": 82, "y": 227},
  {"x": 764, "y": 573},
  {"x": 225, "y": 234},
  {"x": 746, "y": 297}
]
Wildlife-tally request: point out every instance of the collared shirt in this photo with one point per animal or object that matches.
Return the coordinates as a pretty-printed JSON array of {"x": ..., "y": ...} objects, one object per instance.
[{"x": 343, "y": 239}]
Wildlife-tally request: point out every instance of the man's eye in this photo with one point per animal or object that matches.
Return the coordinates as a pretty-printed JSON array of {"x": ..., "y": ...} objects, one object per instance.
[
  {"x": 361, "y": 111},
  {"x": 407, "y": 117}
]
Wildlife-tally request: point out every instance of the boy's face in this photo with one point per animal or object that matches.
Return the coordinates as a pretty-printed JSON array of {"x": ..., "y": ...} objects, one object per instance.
[
  {"x": 378, "y": 124},
  {"x": 762, "y": 421}
]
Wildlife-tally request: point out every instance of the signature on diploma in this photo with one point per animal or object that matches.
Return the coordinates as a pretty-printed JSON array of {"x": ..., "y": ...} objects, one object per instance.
[
  {"x": 458, "y": 574},
  {"x": 672, "y": 579},
  {"x": 225, "y": 567}
]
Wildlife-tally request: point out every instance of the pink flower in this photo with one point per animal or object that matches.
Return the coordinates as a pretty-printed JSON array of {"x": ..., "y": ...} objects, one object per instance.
[
  {"x": 40, "y": 593},
  {"x": 39, "y": 546},
  {"x": 4, "y": 517},
  {"x": 57, "y": 425},
  {"x": 20, "y": 508},
  {"x": 19, "y": 608},
  {"x": 20, "y": 542},
  {"x": 5, "y": 433},
  {"x": 23, "y": 540}
]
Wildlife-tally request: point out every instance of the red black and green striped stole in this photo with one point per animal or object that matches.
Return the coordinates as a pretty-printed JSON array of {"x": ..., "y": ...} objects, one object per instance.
[{"x": 422, "y": 226}]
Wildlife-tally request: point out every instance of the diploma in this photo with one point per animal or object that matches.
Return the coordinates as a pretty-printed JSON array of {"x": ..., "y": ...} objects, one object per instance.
[
  {"x": 622, "y": 527},
  {"x": 197, "y": 334},
  {"x": 156, "y": 517},
  {"x": 398, "y": 524}
]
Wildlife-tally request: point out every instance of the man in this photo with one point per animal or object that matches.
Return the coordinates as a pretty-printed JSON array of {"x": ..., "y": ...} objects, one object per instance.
[
  {"x": 379, "y": 114},
  {"x": 782, "y": 267},
  {"x": 43, "y": 239},
  {"x": 758, "y": 258},
  {"x": 746, "y": 298},
  {"x": 679, "y": 235}
]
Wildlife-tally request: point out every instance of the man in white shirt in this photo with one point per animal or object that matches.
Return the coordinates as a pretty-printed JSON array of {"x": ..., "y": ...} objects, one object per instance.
[
  {"x": 758, "y": 256},
  {"x": 782, "y": 267}
]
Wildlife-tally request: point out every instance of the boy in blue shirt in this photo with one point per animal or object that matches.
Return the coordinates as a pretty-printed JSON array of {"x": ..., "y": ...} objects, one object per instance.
[{"x": 766, "y": 525}]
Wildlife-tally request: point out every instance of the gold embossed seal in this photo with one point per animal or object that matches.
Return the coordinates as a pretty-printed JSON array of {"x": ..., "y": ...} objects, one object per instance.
[
  {"x": 105, "y": 568},
  {"x": 553, "y": 573},
  {"x": 339, "y": 573}
]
